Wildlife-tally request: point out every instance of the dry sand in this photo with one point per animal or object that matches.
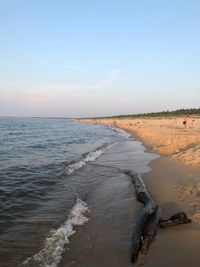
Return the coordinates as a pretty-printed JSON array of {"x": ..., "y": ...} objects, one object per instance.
[
  {"x": 174, "y": 182},
  {"x": 165, "y": 136}
]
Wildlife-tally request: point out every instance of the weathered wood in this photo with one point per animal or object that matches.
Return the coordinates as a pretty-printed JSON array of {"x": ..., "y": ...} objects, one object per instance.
[
  {"x": 149, "y": 208},
  {"x": 149, "y": 219},
  {"x": 155, "y": 222},
  {"x": 150, "y": 230},
  {"x": 178, "y": 218}
]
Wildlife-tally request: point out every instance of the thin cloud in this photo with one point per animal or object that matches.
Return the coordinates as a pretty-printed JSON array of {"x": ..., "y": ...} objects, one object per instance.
[
  {"x": 114, "y": 76},
  {"x": 49, "y": 89}
]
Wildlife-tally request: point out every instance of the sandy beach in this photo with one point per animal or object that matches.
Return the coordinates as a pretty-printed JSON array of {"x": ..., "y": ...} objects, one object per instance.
[
  {"x": 99, "y": 100},
  {"x": 174, "y": 182},
  {"x": 165, "y": 136},
  {"x": 175, "y": 187}
]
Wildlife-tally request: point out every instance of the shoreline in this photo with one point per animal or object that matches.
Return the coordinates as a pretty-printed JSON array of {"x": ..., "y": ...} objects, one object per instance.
[
  {"x": 175, "y": 186},
  {"x": 163, "y": 136}
]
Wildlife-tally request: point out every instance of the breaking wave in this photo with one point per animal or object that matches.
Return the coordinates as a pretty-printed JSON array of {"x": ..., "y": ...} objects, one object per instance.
[
  {"x": 119, "y": 131},
  {"x": 51, "y": 254},
  {"x": 92, "y": 156}
]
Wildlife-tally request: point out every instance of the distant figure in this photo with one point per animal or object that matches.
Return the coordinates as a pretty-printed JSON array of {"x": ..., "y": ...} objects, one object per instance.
[{"x": 185, "y": 121}]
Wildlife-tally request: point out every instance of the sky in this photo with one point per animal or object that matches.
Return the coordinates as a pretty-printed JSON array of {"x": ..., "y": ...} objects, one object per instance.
[{"x": 86, "y": 58}]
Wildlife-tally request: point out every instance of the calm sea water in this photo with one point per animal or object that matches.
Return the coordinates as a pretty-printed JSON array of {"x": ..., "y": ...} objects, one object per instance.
[{"x": 49, "y": 171}]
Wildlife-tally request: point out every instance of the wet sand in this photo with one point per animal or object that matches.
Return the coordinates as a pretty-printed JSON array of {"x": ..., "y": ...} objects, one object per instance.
[
  {"x": 106, "y": 239},
  {"x": 175, "y": 186},
  {"x": 108, "y": 242},
  {"x": 164, "y": 136},
  {"x": 176, "y": 246}
]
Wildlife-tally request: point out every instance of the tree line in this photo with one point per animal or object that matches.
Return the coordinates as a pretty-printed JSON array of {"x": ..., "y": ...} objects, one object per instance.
[{"x": 178, "y": 112}]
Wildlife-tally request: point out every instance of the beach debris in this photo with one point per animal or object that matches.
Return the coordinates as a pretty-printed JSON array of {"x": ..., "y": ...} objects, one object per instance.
[
  {"x": 149, "y": 219},
  {"x": 178, "y": 218},
  {"x": 149, "y": 209}
]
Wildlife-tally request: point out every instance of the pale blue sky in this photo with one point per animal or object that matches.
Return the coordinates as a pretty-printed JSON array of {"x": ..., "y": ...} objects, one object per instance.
[{"x": 93, "y": 58}]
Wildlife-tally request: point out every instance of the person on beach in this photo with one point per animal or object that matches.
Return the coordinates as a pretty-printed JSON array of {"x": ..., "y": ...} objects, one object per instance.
[{"x": 185, "y": 121}]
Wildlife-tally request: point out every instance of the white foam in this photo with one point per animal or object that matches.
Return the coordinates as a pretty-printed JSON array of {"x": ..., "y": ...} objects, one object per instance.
[
  {"x": 54, "y": 246},
  {"x": 121, "y": 132},
  {"x": 92, "y": 156}
]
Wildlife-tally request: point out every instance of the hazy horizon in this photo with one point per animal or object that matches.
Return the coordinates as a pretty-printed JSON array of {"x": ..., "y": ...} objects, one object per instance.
[
  {"x": 106, "y": 115},
  {"x": 86, "y": 59}
]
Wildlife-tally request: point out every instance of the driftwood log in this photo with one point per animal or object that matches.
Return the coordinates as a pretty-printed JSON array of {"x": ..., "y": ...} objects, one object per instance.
[
  {"x": 149, "y": 219},
  {"x": 150, "y": 207}
]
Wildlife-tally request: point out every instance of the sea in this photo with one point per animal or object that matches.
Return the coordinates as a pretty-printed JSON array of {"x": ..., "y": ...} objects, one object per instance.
[{"x": 65, "y": 199}]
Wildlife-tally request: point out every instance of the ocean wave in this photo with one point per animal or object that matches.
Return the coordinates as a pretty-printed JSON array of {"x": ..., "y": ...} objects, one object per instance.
[
  {"x": 92, "y": 156},
  {"x": 120, "y": 131},
  {"x": 51, "y": 254}
]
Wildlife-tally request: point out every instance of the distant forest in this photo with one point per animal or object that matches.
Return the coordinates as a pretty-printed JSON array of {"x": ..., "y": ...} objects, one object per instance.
[{"x": 178, "y": 112}]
